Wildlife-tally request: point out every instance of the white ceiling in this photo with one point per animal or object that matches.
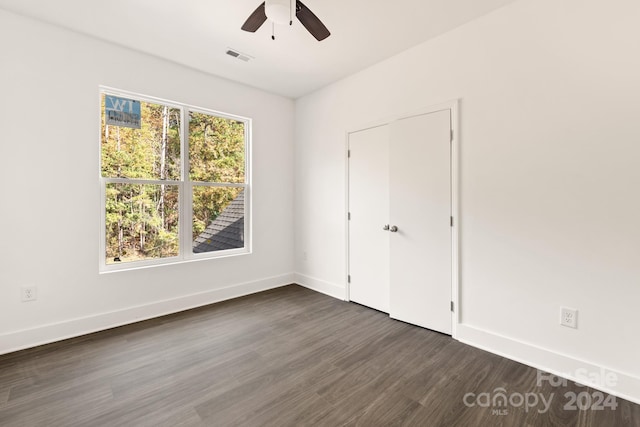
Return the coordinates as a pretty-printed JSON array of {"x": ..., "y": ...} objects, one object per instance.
[{"x": 197, "y": 33}]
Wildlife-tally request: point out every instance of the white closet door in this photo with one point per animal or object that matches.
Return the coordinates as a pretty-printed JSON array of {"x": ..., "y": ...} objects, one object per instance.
[
  {"x": 420, "y": 208},
  {"x": 369, "y": 210}
]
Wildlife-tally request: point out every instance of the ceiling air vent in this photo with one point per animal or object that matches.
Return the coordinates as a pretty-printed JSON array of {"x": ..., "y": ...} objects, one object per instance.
[{"x": 241, "y": 56}]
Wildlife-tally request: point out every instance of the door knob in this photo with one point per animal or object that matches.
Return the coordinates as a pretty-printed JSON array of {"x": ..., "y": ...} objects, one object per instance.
[
  {"x": 386, "y": 227},
  {"x": 393, "y": 229}
]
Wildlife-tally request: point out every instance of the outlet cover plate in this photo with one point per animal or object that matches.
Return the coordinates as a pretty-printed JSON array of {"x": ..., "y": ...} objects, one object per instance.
[
  {"x": 569, "y": 317},
  {"x": 29, "y": 293}
]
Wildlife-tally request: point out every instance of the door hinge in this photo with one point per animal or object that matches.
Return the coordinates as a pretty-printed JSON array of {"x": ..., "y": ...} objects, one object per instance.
[
  {"x": 348, "y": 153},
  {"x": 451, "y": 136},
  {"x": 452, "y": 307},
  {"x": 349, "y": 216},
  {"x": 451, "y": 221},
  {"x": 349, "y": 278}
]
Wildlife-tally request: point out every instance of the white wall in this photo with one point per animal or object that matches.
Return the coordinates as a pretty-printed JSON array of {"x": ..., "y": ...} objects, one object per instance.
[
  {"x": 550, "y": 145},
  {"x": 49, "y": 130}
]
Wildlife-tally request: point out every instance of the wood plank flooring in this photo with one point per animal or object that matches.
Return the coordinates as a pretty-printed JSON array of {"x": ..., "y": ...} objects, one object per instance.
[{"x": 286, "y": 357}]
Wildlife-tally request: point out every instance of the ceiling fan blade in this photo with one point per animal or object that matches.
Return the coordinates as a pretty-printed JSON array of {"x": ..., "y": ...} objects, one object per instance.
[
  {"x": 256, "y": 19},
  {"x": 311, "y": 22}
]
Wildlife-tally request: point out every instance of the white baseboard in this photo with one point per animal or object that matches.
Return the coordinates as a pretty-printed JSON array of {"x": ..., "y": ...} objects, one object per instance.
[
  {"x": 45, "y": 334},
  {"x": 327, "y": 288},
  {"x": 625, "y": 386}
]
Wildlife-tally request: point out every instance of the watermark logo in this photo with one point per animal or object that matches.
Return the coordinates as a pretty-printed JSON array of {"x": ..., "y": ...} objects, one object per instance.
[
  {"x": 600, "y": 378},
  {"x": 500, "y": 401}
]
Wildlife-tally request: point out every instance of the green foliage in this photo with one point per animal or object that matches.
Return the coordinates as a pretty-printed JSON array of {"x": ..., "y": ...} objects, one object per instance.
[
  {"x": 137, "y": 153},
  {"x": 134, "y": 227},
  {"x": 216, "y": 154},
  {"x": 216, "y": 149},
  {"x": 142, "y": 220}
]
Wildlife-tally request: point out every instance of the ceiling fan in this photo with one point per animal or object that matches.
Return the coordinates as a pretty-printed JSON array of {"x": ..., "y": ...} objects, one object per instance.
[{"x": 281, "y": 12}]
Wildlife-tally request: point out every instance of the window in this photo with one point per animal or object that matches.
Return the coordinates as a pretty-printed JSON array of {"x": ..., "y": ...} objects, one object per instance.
[{"x": 174, "y": 180}]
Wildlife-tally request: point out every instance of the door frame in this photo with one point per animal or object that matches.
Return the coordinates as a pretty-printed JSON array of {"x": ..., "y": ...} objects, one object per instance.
[{"x": 453, "y": 107}]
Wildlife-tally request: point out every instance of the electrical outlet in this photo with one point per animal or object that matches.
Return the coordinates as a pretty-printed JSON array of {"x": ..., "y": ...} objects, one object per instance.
[
  {"x": 304, "y": 255},
  {"x": 29, "y": 293},
  {"x": 569, "y": 317}
]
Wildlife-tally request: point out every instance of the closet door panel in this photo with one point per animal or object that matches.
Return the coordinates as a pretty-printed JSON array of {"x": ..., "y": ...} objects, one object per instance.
[
  {"x": 420, "y": 208},
  {"x": 369, "y": 211}
]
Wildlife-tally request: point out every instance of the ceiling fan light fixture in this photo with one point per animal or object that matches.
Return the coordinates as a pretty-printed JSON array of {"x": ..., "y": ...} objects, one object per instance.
[
  {"x": 278, "y": 11},
  {"x": 283, "y": 12}
]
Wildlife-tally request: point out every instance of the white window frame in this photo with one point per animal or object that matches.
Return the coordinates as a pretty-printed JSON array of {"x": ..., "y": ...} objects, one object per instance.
[{"x": 185, "y": 188}]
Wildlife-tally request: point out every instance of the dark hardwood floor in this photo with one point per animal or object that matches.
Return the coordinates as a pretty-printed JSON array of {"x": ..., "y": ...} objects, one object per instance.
[{"x": 286, "y": 357}]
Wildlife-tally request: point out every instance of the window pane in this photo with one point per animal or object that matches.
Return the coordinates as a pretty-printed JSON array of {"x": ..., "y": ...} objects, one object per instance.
[
  {"x": 151, "y": 152},
  {"x": 218, "y": 218},
  {"x": 141, "y": 222},
  {"x": 216, "y": 149}
]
